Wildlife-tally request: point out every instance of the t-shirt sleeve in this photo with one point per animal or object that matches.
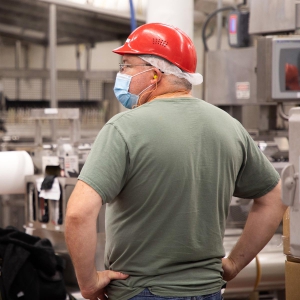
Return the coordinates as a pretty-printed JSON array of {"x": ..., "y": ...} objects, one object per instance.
[
  {"x": 107, "y": 164},
  {"x": 257, "y": 176}
]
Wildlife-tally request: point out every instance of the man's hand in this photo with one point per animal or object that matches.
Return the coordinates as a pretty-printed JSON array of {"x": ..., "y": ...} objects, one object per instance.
[
  {"x": 102, "y": 279},
  {"x": 229, "y": 268}
]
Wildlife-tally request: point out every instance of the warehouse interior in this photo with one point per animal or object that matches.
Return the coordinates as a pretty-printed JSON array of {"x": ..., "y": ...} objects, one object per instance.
[{"x": 57, "y": 73}]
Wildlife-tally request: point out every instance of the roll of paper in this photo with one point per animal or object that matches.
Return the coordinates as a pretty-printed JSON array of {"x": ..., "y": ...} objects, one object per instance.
[{"x": 14, "y": 166}]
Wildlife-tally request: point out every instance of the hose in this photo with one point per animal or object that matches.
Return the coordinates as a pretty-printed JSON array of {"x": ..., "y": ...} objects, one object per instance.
[
  {"x": 132, "y": 16},
  {"x": 207, "y": 21},
  {"x": 258, "y": 273},
  {"x": 281, "y": 112}
]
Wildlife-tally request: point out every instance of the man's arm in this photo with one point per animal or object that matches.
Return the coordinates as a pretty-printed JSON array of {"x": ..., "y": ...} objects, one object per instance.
[
  {"x": 81, "y": 238},
  {"x": 262, "y": 222}
]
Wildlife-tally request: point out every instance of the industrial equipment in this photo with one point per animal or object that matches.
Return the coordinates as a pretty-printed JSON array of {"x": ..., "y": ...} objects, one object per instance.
[
  {"x": 290, "y": 197},
  {"x": 238, "y": 28},
  {"x": 248, "y": 82},
  {"x": 45, "y": 218},
  {"x": 53, "y": 115},
  {"x": 256, "y": 85}
]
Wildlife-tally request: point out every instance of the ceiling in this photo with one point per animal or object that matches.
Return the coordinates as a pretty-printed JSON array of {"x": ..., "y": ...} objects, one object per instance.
[{"x": 28, "y": 21}]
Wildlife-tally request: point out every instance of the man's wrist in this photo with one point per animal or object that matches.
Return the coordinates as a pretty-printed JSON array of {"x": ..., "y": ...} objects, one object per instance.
[
  {"x": 234, "y": 266},
  {"x": 89, "y": 282}
]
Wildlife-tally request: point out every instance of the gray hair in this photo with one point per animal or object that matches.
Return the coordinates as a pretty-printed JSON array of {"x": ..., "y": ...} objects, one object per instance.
[{"x": 176, "y": 81}]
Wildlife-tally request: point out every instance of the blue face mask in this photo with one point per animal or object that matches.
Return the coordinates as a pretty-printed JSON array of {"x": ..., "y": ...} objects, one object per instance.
[{"x": 121, "y": 90}]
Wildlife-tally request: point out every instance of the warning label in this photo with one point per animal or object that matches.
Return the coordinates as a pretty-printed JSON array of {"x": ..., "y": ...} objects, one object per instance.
[{"x": 242, "y": 90}]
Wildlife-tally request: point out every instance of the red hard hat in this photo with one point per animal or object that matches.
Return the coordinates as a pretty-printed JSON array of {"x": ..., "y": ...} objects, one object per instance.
[{"x": 166, "y": 41}]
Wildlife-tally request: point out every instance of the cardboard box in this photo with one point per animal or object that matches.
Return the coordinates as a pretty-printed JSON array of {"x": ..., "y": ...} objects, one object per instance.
[{"x": 292, "y": 275}]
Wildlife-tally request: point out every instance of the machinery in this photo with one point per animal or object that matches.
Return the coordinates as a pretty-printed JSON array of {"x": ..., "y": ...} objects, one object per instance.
[
  {"x": 257, "y": 80},
  {"x": 53, "y": 115},
  {"x": 43, "y": 209},
  {"x": 290, "y": 196}
]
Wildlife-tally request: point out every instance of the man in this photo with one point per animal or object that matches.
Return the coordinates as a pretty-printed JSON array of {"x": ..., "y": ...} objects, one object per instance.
[{"x": 166, "y": 170}]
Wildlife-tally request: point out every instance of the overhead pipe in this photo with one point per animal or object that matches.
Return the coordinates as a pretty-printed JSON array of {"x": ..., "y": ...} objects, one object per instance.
[{"x": 132, "y": 16}]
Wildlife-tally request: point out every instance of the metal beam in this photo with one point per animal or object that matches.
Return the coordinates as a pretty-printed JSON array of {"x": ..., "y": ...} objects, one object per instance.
[
  {"x": 24, "y": 20},
  {"x": 93, "y": 21},
  {"x": 21, "y": 33},
  {"x": 52, "y": 54},
  {"x": 44, "y": 81},
  {"x": 28, "y": 20},
  {"x": 87, "y": 68},
  {"x": 107, "y": 76},
  {"x": 80, "y": 40},
  {"x": 18, "y": 53},
  {"x": 104, "y": 13},
  {"x": 22, "y": 38}
]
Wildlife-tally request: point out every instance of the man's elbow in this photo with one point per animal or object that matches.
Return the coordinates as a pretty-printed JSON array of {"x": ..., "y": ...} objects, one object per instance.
[
  {"x": 74, "y": 217},
  {"x": 75, "y": 212}
]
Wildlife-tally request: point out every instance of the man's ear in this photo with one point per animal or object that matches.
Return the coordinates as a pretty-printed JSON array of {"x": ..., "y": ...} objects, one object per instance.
[{"x": 156, "y": 77}]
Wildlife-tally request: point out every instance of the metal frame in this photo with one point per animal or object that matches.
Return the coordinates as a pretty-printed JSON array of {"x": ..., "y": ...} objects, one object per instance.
[
  {"x": 108, "y": 76},
  {"x": 52, "y": 54},
  {"x": 71, "y": 114},
  {"x": 107, "y": 14},
  {"x": 28, "y": 20},
  {"x": 59, "y": 22}
]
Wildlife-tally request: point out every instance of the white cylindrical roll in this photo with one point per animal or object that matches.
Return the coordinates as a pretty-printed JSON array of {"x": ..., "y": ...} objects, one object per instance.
[
  {"x": 173, "y": 12},
  {"x": 14, "y": 166}
]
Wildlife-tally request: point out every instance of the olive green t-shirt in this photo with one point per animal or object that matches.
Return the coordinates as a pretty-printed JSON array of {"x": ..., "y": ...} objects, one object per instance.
[{"x": 167, "y": 171}]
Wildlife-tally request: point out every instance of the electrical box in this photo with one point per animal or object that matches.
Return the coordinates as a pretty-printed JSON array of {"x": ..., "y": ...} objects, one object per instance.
[
  {"x": 238, "y": 23},
  {"x": 230, "y": 77},
  {"x": 278, "y": 68}
]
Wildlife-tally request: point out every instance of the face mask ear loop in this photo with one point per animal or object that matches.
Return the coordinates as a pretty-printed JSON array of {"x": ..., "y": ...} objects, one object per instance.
[
  {"x": 142, "y": 72},
  {"x": 139, "y": 101}
]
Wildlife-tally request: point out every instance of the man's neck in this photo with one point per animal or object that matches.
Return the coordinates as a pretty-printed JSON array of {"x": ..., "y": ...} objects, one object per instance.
[
  {"x": 164, "y": 90},
  {"x": 182, "y": 93}
]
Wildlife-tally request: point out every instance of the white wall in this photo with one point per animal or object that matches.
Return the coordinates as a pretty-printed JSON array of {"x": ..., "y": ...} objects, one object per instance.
[{"x": 102, "y": 57}]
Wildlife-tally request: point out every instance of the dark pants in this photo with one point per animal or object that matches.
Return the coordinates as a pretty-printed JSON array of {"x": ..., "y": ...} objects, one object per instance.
[{"x": 147, "y": 295}]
